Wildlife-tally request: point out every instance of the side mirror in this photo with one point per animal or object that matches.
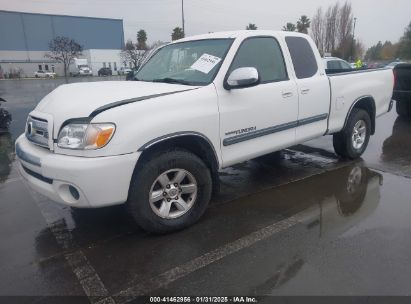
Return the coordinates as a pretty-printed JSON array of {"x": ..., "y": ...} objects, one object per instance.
[{"x": 242, "y": 78}]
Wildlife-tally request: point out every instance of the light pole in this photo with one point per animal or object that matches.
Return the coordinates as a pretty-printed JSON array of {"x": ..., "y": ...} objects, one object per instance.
[
  {"x": 182, "y": 15},
  {"x": 353, "y": 39}
]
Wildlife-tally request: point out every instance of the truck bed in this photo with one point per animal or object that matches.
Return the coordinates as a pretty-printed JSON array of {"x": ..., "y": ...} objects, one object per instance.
[{"x": 347, "y": 87}]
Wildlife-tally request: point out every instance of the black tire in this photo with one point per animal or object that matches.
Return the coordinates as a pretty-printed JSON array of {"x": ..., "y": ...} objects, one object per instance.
[
  {"x": 403, "y": 109},
  {"x": 342, "y": 142},
  {"x": 145, "y": 175}
]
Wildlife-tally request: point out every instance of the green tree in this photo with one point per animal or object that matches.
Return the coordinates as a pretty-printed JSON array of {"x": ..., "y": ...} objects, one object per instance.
[
  {"x": 374, "y": 52},
  {"x": 303, "y": 24},
  {"x": 289, "y": 27},
  {"x": 177, "y": 33},
  {"x": 141, "y": 40},
  {"x": 404, "y": 50},
  {"x": 251, "y": 26}
]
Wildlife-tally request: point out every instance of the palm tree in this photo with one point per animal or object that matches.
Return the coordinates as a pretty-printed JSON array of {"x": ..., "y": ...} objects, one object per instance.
[
  {"x": 177, "y": 33},
  {"x": 251, "y": 26},
  {"x": 303, "y": 24},
  {"x": 141, "y": 40},
  {"x": 289, "y": 27}
]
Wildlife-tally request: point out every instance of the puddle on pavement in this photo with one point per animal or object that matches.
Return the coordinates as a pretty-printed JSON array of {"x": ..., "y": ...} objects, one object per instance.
[{"x": 327, "y": 204}]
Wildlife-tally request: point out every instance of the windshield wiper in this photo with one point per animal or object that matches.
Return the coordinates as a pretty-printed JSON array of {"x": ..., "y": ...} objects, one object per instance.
[{"x": 172, "y": 80}]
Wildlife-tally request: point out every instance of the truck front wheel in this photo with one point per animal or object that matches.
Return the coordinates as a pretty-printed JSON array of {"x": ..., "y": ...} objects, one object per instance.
[
  {"x": 169, "y": 192},
  {"x": 352, "y": 141}
]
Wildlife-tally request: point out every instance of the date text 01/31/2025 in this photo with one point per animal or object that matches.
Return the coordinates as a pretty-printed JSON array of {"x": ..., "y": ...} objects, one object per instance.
[{"x": 235, "y": 299}]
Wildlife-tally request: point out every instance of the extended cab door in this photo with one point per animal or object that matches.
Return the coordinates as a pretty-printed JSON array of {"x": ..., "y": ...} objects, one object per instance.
[
  {"x": 260, "y": 119},
  {"x": 313, "y": 88}
]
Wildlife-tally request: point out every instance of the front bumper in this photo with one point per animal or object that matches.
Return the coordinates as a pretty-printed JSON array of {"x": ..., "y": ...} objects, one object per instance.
[{"x": 99, "y": 181}]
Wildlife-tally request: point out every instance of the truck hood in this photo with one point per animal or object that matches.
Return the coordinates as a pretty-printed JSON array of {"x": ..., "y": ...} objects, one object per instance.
[{"x": 82, "y": 99}]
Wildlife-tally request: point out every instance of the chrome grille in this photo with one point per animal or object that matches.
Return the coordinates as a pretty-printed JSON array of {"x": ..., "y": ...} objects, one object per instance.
[{"x": 37, "y": 131}]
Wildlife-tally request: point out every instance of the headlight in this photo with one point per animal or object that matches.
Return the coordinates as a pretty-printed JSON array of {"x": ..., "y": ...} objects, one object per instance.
[{"x": 82, "y": 136}]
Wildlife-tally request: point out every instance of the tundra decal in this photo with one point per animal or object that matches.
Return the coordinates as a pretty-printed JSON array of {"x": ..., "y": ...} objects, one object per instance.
[{"x": 241, "y": 131}]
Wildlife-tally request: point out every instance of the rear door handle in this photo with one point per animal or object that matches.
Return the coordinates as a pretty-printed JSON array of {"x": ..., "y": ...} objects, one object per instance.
[
  {"x": 305, "y": 91},
  {"x": 287, "y": 94}
]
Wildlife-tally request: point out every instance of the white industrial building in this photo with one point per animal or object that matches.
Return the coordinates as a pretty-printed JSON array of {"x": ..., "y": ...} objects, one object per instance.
[{"x": 24, "y": 39}]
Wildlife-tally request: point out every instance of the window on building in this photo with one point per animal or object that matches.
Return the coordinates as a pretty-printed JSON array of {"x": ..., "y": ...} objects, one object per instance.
[
  {"x": 40, "y": 67},
  {"x": 52, "y": 68},
  {"x": 46, "y": 67},
  {"x": 104, "y": 64},
  {"x": 305, "y": 64},
  {"x": 264, "y": 54},
  {"x": 109, "y": 65},
  {"x": 115, "y": 66}
]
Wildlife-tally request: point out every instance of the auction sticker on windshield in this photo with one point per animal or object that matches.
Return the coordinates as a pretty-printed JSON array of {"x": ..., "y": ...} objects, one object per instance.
[{"x": 205, "y": 63}]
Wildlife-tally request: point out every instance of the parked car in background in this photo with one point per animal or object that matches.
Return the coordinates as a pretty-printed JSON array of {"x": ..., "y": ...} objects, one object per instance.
[
  {"x": 123, "y": 71},
  {"x": 334, "y": 63},
  {"x": 44, "y": 74},
  {"x": 105, "y": 72},
  {"x": 394, "y": 64},
  {"x": 197, "y": 106},
  {"x": 402, "y": 89},
  {"x": 5, "y": 118},
  {"x": 130, "y": 76}
]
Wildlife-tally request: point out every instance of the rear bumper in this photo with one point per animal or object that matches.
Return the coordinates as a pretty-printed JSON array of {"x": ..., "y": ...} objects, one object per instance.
[{"x": 99, "y": 181}]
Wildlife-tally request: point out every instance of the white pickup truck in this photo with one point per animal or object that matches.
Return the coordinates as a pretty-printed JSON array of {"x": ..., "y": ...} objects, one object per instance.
[{"x": 198, "y": 105}]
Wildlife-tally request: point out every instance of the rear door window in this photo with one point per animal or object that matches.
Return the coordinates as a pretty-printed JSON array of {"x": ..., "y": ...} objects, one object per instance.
[{"x": 302, "y": 55}]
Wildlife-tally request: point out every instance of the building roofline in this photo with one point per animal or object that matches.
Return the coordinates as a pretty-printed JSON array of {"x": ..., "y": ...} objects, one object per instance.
[{"x": 58, "y": 15}]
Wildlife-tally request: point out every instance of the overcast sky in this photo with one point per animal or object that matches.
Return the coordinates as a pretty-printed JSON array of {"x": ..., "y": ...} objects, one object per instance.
[{"x": 376, "y": 19}]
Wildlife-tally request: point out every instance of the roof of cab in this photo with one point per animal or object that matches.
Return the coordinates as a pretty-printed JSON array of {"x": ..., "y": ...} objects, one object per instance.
[{"x": 240, "y": 34}]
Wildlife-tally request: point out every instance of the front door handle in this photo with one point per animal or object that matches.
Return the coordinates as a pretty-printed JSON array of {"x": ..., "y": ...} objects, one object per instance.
[
  {"x": 305, "y": 91},
  {"x": 287, "y": 94}
]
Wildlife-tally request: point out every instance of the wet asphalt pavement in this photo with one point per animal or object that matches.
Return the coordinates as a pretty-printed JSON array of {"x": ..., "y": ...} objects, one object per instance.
[{"x": 299, "y": 222}]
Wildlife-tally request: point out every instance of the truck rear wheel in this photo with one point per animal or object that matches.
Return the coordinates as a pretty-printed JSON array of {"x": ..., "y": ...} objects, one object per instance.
[
  {"x": 169, "y": 192},
  {"x": 403, "y": 108},
  {"x": 352, "y": 141}
]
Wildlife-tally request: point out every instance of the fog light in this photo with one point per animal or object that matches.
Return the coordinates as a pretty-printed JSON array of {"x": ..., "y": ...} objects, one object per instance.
[{"x": 74, "y": 192}]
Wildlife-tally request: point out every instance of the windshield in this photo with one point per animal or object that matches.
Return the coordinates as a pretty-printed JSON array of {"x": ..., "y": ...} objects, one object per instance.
[{"x": 191, "y": 63}]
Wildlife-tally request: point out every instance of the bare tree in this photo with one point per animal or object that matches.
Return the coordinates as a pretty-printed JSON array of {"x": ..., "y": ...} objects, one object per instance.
[
  {"x": 331, "y": 20},
  {"x": 332, "y": 30},
  {"x": 360, "y": 49},
  {"x": 345, "y": 26},
  {"x": 318, "y": 31},
  {"x": 64, "y": 49},
  {"x": 131, "y": 54}
]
